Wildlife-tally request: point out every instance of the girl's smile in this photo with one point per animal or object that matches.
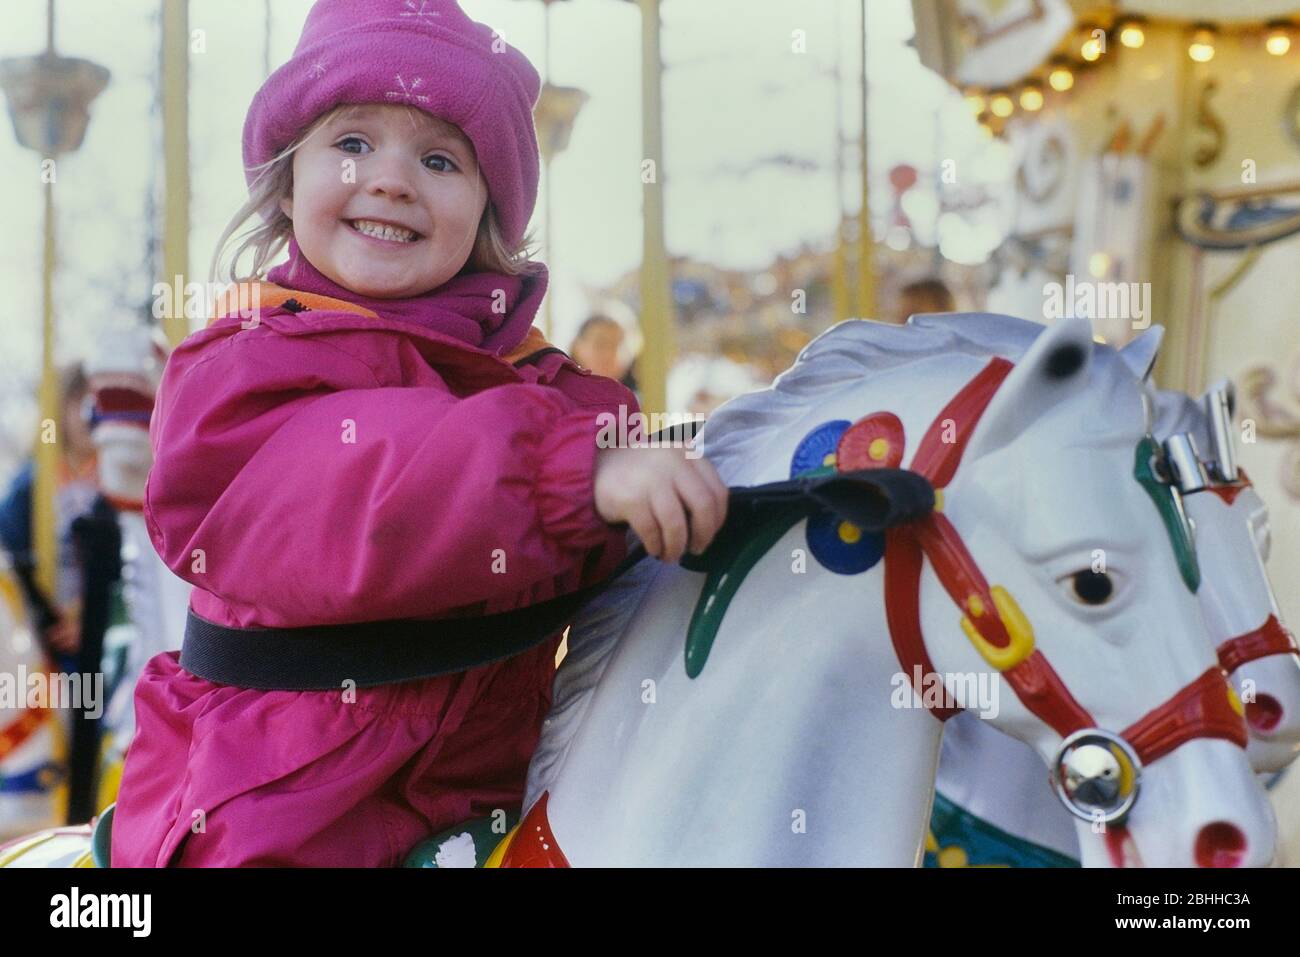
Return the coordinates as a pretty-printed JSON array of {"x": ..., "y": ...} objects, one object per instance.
[
  {"x": 383, "y": 231},
  {"x": 386, "y": 200}
]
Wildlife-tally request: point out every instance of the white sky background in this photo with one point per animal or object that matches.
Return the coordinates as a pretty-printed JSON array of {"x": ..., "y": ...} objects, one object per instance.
[{"x": 734, "y": 95}]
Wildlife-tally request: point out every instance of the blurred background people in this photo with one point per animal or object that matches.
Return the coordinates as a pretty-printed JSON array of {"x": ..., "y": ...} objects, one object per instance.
[
  {"x": 601, "y": 346},
  {"x": 57, "y": 615},
  {"x": 930, "y": 294}
]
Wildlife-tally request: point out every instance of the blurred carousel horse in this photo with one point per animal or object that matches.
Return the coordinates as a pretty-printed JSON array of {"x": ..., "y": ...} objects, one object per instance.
[
  {"x": 124, "y": 379},
  {"x": 32, "y": 738},
  {"x": 148, "y": 611}
]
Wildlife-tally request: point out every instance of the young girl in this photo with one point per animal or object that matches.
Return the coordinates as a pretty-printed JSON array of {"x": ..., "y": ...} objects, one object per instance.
[{"x": 385, "y": 437}]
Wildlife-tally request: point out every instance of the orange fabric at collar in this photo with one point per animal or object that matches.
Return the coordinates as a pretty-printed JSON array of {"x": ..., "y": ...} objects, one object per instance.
[{"x": 269, "y": 295}]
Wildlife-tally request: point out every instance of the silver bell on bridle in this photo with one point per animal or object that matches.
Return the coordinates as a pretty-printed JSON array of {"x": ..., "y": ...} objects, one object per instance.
[{"x": 1096, "y": 774}]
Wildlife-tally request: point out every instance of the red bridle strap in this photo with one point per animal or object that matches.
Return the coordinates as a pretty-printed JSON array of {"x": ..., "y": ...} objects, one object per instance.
[
  {"x": 903, "y": 558},
  {"x": 937, "y": 458},
  {"x": 1206, "y": 708},
  {"x": 993, "y": 621},
  {"x": 1269, "y": 638},
  {"x": 1025, "y": 669}
]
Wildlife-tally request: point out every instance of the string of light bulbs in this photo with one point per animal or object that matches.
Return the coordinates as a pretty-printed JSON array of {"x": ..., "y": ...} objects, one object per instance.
[{"x": 1086, "y": 47}]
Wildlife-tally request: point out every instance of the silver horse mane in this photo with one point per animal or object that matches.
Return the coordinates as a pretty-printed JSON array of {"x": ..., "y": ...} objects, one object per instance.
[{"x": 838, "y": 358}]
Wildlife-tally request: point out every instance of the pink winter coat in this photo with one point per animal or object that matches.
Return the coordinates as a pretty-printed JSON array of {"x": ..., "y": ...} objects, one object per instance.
[{"x": 326, "y": 467}]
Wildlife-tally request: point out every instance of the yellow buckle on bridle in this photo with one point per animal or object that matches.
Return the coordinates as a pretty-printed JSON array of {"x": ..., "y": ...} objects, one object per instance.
[{"x": 1017, "y": 626}]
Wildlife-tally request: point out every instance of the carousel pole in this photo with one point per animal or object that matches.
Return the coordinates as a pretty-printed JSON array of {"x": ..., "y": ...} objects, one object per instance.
[
  {"x": 46, "y": 459},
  {"x": 554, "y": 116},
  {"x": 547, "y": 318},
  {"x": 656, "y": 298},
  {"x": 44, "y": 537},
  {"x": 266, "y": 38},
  {"x": 866, "y": 256},
  {"x": 840, "y": 268},
  {"x": 49, "y": 101},
  {"x": 176, "y": 160}
]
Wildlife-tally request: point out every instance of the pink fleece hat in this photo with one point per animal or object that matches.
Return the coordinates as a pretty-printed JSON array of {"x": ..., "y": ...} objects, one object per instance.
[{"x": 424, "y": 53}]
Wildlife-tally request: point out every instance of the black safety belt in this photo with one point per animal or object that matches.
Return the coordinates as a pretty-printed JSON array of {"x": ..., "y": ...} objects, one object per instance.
[{"x": 326, "y": 657}]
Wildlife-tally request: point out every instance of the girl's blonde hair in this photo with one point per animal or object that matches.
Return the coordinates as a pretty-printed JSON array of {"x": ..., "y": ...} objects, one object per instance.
[{"x": 491, "y": 253}]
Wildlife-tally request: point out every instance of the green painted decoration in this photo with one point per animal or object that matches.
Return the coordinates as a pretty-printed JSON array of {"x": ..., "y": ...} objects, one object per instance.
[
  {"x": 484, "y": 832},
  {"x": 726, "y": 570},
  {"x": 1170, "y": 505},
  {"x": 983, "y": 844}
]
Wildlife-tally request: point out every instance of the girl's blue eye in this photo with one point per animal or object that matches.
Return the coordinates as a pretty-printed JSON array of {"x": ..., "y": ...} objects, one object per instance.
[
  {"x": 343, "y": 143},
  {"x": 443, "y": 159}
]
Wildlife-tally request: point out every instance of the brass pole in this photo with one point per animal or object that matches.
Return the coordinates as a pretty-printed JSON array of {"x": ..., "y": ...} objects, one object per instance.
[
  {"x": 547, "y": 318},
  {"x": 866, "y": 256},
  {"x": 840, "y": 268},
  {"x": 176, "y": 160},
  {"x": 44, "y": 536},
  {"x": 46, "y": 458},
  {"x": 656, "y": 299}
]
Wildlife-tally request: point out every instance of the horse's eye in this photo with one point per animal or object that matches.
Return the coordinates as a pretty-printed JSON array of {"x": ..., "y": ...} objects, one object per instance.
[{"x": 1090, "y": 587}]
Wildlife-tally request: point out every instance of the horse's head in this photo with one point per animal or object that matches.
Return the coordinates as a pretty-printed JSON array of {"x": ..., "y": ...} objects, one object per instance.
[
  {"x": 1072, "y": 560},
  {"x": 1232, "y": 540}
]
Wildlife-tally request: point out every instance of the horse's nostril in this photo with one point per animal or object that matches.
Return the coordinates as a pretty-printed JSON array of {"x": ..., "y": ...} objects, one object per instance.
[
  {"x": 1264, "y": 713},
  {"x": 1220, "y": 845}
]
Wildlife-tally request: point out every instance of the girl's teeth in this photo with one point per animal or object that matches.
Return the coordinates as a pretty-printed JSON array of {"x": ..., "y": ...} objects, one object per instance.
[{"x": 382, "y": 231}]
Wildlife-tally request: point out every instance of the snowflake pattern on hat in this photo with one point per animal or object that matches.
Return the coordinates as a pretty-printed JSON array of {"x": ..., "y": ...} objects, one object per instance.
[
  {"x": 407, "y": 94},
  {"x": 411, "y": 10}
]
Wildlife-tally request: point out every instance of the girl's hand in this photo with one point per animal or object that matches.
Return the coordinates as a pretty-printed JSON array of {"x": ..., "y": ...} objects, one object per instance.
[{"x": 665, "y": 496}]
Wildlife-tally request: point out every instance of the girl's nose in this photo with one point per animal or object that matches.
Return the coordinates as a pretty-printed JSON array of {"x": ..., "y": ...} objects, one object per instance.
[{"x": 391, "y": 181}]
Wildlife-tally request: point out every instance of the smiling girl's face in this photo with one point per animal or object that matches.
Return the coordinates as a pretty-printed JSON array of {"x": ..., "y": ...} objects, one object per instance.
[{"x": 401, "y": 218}]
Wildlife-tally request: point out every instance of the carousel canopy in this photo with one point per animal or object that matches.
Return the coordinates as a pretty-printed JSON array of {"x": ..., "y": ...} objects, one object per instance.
[{"x": 996, "y": 43}]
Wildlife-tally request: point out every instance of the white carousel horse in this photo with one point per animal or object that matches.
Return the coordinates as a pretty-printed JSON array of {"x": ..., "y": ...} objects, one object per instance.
[
  {"x": 994, "y": 802},
  {"x": 1254, "y": 647},
  {"x": 1232, "y": 521},
  {"x": 792, "y": 747}
]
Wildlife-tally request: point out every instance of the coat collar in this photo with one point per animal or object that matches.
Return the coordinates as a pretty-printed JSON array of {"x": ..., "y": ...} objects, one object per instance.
[{"x": 341, "y": 315}]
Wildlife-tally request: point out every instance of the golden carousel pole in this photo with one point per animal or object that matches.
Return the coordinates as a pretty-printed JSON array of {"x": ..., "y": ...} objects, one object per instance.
[
  {"x": 547, "y": 316},
  {"x": 46, "y": 464},
  {"x": 866, "y": 255},
  {"x": 176, "y": 159},
  {"x": 45, "y": 486},
  {"x": 548, "y": 323},
  {"x": 49, "y": 101},
  {"x": 554, "y": 116},
  {"x": 840, "y": 267},
  {"x": 656, "y": 295}
]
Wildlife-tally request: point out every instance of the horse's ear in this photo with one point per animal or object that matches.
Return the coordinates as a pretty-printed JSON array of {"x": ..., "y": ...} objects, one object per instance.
[
  {"x": 1174, "y": 411},
  {"x": 1055, "y": 367},
  {"x": 1140, "y": 354}
]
